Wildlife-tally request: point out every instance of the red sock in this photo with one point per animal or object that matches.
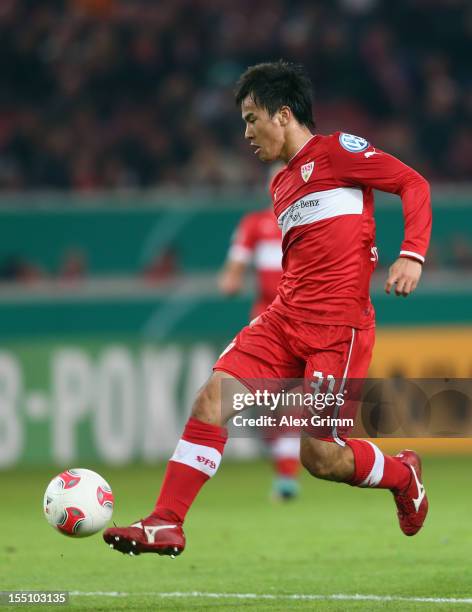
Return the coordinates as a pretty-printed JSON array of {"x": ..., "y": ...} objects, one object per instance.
[
  {"x": 286, "y": 456},
  {"x": 195, "y": 459},
  {"x": 374, "y": 469},
  {"x": 287, "y": 467}
]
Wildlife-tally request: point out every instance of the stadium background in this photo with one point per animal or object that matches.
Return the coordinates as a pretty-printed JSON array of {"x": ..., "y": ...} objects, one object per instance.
[{"x": 123, "y": 172}]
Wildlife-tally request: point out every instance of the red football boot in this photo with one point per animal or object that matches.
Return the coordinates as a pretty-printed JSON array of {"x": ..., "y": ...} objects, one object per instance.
[
  {"x": 149, "y": 535},
  {"x": 412, "y": 503}
]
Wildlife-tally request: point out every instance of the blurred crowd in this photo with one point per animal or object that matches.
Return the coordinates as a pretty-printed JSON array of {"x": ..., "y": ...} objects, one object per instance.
[
  {"x": 73, "y": 268},
  {"x": 73, "y": 265},
  {"x": 131, "y": 93}
]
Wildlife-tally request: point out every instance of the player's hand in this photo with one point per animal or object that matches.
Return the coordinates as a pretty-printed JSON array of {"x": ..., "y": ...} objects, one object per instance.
[
  {"x": 404, "y": 274},
  {"x": 229, "y": 284}
]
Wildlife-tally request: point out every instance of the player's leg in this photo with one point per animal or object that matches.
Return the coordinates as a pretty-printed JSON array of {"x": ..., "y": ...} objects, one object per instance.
[
  {"x": 195, "y": 460},
  {"x": 361, "y": 463},
  {"x": 285, "y": 451},
  {"x": 326, "y": 459},
  {"x": 357, "y": 462},
  {"x": 329, "y": 455},
  {"x": 199, "y": 451}
]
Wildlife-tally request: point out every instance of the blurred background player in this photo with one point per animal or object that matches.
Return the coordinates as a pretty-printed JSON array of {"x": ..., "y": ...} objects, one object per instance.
[{"x": 258, "y": 240}]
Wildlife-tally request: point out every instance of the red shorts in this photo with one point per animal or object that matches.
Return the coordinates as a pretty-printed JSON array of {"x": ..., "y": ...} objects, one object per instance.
[{"x": 276, "y": 347}]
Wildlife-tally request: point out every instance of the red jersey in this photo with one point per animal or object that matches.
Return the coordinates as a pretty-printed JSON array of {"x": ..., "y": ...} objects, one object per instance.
[
  {"x": 258, "y": 239},
  {"x": 324, "y": 204}
]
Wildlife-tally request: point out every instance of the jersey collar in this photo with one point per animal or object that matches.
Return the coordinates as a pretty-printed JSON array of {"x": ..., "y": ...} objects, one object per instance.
[{"x": 300, "y": 149}]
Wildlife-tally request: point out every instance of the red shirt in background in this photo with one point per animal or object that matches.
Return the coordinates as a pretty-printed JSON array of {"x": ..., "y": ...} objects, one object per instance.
[{"x": 258, "y": 240}]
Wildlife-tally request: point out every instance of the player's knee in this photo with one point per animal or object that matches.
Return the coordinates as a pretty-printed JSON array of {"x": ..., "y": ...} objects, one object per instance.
[{"x": 206, "y": 406}]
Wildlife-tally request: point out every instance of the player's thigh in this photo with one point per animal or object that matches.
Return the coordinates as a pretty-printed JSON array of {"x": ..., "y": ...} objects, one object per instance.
[
  {"x": 209, "y": 405},
  {"x": 260, "y": 357}
]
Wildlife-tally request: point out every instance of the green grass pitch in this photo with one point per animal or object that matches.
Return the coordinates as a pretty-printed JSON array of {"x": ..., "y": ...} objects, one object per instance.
[{"x": 333, "y": 540}]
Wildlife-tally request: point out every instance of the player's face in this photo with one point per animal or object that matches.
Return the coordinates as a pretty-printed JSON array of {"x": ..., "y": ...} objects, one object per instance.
[{"x": 265, "y": 133}]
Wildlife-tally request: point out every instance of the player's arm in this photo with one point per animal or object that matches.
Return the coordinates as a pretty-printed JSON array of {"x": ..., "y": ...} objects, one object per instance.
[
  {"x": 374, "y": 168},
  {"x": 231, "y": 279}
]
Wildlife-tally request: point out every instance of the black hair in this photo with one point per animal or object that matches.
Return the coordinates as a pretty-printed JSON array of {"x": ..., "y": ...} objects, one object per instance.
[{"x": 275, "y": 84}]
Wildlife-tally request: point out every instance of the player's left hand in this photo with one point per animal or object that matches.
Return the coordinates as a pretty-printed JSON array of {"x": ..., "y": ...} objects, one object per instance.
[{"x": 404, "y": 274}]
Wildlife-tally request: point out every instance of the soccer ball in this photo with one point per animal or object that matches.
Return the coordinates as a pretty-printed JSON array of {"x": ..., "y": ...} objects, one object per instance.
[{"x": 78, "y": 502}]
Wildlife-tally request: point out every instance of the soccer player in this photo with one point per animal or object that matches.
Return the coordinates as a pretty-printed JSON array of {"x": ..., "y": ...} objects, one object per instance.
[
  {"x": 258, "y": 240},
  {"x": 322, "y": 322}
]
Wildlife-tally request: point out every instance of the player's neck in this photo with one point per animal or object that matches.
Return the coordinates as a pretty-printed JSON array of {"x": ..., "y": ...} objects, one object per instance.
[{"x": 295, "y": 141}]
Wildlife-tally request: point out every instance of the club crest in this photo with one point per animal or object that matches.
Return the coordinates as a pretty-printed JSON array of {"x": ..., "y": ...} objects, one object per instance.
[{"x": 306, "y": 170}]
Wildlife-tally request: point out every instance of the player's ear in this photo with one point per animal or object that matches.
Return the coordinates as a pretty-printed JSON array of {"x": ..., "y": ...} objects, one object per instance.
[{"x": 284, "y": 115}]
